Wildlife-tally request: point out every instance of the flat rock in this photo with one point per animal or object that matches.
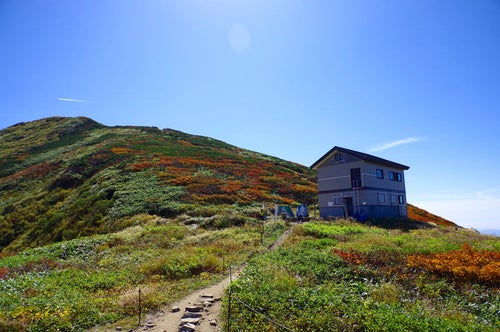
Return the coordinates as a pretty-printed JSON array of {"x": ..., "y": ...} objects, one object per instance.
[
  {"x": 194, "y": 308},
  {"x": 187, "y": 328},
  {"x": 188, "y": 314},
  {"x": 207, "y": 299},
  {"x": 207, "y": 296},
  {"x": 194, "y": 321}
]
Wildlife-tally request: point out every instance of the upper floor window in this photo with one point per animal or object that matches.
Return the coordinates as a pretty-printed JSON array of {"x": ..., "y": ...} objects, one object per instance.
[
  {"x": 395, "y": 176},
  {"x": 339, "y": 157},
  {"x": 401, "y": 199},
  {"x": 380, "y": 174}
]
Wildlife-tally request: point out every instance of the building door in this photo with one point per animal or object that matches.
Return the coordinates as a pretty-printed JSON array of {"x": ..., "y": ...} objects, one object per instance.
[
  {"x": 356, "y": 178},
  {"x": 348, "y": 207}
]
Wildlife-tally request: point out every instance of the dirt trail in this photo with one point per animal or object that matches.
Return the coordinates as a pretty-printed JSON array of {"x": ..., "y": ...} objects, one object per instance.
[{"x": 167, "y": 321}]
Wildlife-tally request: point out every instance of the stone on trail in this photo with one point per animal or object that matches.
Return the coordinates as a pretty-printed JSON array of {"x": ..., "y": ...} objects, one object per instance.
[
  {"x": 188, "y": 314},
  {"x": 194, "y": 308},
  {"x": 194, "y": 321},
  {"x": 187, "y": 328}
]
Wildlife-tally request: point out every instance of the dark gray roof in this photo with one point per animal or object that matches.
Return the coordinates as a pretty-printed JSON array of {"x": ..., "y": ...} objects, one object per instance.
[{"x": 360, "y": 155}]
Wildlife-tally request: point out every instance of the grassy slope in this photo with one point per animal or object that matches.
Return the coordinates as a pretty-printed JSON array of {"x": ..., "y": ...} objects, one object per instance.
[
  {"x": 418, "y": 214},
  {"x": 340, "y": 275},
  {"x": 77, "y": 284},
  {"x": 351, "y": 277},
  {"x": 61, "y": 178}
]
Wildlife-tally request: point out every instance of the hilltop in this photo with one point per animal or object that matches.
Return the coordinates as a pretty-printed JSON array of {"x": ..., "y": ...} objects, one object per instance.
[{"x": 63, "y": 178}]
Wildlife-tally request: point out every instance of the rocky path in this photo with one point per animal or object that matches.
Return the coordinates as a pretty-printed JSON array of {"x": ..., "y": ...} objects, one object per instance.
[{"x": 199, "y": 311}]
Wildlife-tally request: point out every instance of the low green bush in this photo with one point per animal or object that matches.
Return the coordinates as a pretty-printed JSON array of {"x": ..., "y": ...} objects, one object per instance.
[
  {"x": 346, "y": 277},
  {"x": 74, "y": 285},
  {"x": 333, "y": 230}
]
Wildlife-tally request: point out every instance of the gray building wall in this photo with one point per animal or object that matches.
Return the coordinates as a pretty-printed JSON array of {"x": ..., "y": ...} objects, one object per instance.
[{"x": 376, "y": 198}]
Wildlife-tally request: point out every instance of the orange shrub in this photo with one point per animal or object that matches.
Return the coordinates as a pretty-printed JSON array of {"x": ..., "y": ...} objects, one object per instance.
[
  {"x": 182, "y": 180},
  {"x": 4, "y": 273},
  {"x": 123, "y": 150},
  {"x": 415, "y": 213},
  {"x": 465, "y": 264},
  {"x": 231, "y": 187},
  {"x": 350, "y": 256},
  {"x": 120, "y": 150}
]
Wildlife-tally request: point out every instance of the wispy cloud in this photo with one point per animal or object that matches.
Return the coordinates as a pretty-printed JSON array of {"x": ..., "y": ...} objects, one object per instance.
[
  {"x": 396, "y": 143},
  {"x": 73, "y": 100}
]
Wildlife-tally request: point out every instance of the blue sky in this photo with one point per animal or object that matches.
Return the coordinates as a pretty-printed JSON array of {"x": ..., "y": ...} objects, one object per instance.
[{"x": 416, "y": 82}]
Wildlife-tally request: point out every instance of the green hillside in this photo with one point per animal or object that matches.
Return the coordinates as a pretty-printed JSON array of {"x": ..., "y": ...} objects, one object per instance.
[
  {"x": 345, "y": 276},
  {"x": 90, "y": 214},
  {"x": 61, "y": 178},
  {"x": 332, "y": 276}
]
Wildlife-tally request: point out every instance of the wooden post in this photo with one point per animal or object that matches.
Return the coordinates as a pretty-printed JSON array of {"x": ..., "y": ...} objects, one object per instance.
[
  {"x": 229, "y": 302},
  {"x": 139, "y": 324},
  {"x": 262, "y": 234}
]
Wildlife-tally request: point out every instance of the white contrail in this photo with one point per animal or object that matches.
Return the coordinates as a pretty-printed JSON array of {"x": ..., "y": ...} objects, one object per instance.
[
  {"x": 396, "y": 143},
  {"x": 73, "y": 100}
]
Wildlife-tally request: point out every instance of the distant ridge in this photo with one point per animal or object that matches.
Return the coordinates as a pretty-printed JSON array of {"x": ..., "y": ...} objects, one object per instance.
[
  {"x": 418, "y": 214},
  {"x": 495, "y": 232}
]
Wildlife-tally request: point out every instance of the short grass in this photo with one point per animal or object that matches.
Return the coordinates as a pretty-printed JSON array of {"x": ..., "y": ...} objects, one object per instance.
[
  {"x": 74, "y": 285},
  {"x": 343, "y": 276}
]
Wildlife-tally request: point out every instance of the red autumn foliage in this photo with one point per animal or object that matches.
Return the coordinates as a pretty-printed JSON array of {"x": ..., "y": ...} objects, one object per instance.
[
  {"x": 33, "y": 172},
  {"x": 242, "y": 181},
  {"x": 4, "y": 273},
  {"x": 350, "y": 257}
]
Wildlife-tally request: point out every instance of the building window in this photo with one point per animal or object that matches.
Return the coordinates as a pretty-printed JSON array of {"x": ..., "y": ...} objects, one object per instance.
[
  {"x": 339, "y": 157},
  {"x": 381, "y": 198},
  {"x": 337, "y": 201},
  {"x": 394, "y": 176},
  {"x": 394, "y": 199},
  {"x": 380, "y": 174},
  {"x": 401, "y": 199}
]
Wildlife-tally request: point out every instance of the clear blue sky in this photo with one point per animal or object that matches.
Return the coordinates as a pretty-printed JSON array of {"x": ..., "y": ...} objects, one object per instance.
[{"x": 416, "y": 82}]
